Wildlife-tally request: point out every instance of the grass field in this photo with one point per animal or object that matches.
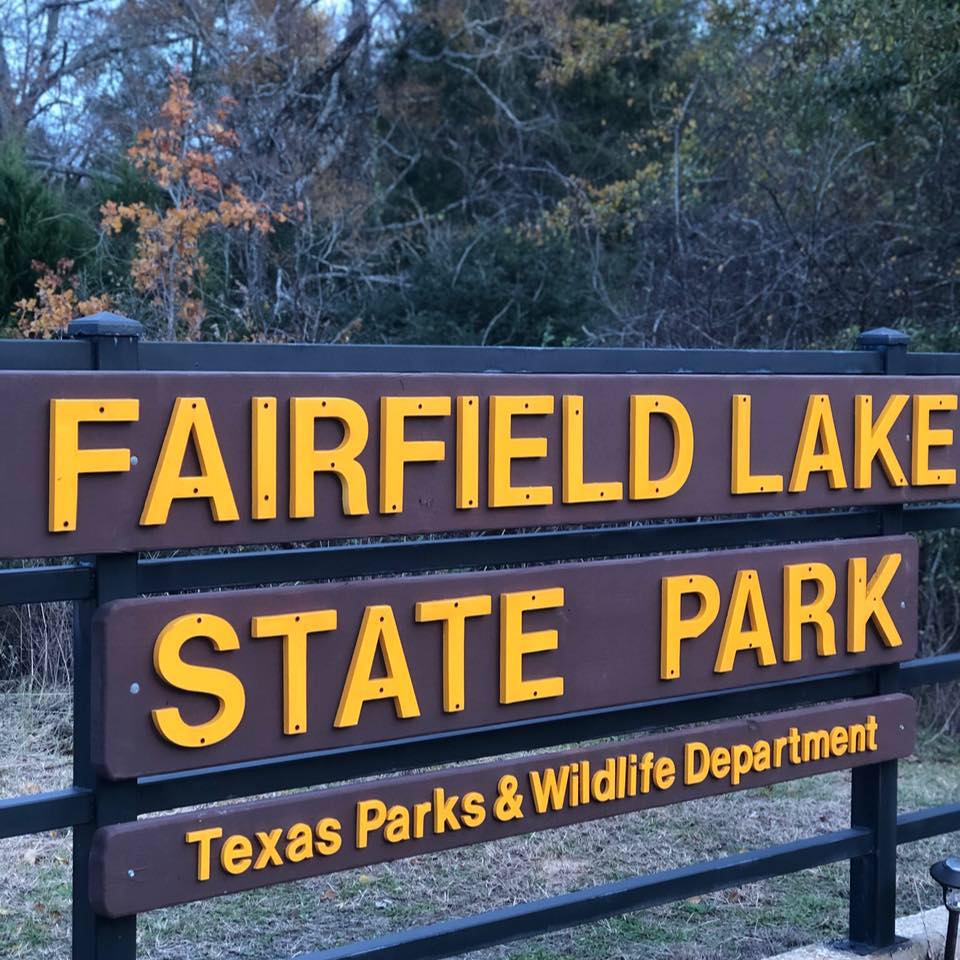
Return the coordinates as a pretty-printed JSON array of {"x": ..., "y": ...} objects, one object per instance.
[{"x": 280, "y": 922}]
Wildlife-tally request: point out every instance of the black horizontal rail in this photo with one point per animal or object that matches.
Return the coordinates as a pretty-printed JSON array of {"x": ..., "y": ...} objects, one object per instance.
[
  {"x": 38, "y": 812},
  {"x": 377, "y": 559},
  {"x": 382, "y": 558},
  {"x": 932, "y": 364},
  {"x": 939, "y": 516},
  {"x": 169, "y": 574},
  {"x": 337, "y": 358},
  {"x": 45, "y": 584},
  {"x": 45, "y": 355},
  {"x": 353, "y": 358},
  {"x": 930, "y": 822},
  {"x": 606, "y": 900},
  {"x": 927, "y": 670}
]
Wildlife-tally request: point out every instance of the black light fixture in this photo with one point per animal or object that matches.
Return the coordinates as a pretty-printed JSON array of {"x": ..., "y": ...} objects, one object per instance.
[{"x": 947, "y": 874}]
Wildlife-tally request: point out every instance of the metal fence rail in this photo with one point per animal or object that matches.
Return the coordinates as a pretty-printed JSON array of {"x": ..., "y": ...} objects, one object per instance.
[{"x": 870, "y": 843}]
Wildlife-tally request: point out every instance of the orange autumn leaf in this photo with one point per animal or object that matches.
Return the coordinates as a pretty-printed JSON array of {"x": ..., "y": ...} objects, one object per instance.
[
  {"x": 56, "y": 303},
  {"x": 180, "y": 155}
]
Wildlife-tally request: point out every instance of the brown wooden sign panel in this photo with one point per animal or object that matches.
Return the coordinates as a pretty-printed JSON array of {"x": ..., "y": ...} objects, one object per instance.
[
  {"x": 192, "y": 856},
  {"x": 205, "y": 679},
  {"x": 109, "y": 462}
]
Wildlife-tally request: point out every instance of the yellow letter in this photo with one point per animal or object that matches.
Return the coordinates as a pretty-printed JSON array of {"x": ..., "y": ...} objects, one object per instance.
[
  {"x": 747, "y": 600},
  {"x": 575, "y": 489},
  {"x": 295, "y": 628},
  {"x": 696, "y": 762},
  {"x": 515, "y": 645},
  {"x": 741, "y": 479},
  {"x": 68, "y": 461},
  {"x": 299, "y": 843},
  {"x": 796, "y": 613},
  {"x": 204, "y": 839},
  {"x": 328, "y": 836},
  {"x": 211, "y": 681},
  {"x": 548, "y": 790},
  {"x": 818, "y": 430},
  {"x": 263, "y": 492},
  {"x": 872, "y": 441},
  {"x": 236, "y": 854},
  {"x": 505, "y": 448},
  {"x": 468, "y": 453},
  {"x": 378, "y": 631},
  {"x": 865, "y": 602},
  {"x": 190, "y": 420},
  {"x": 673, "y": 627},
  {"x": 454, "y": 614},
  {"x": 472, "y": 811},
  {"x": 925, "y": 437},
  {"x": 305, "y": 461},
  {"x": 395, "y": 450},
  {"x": 642, "y": 408},
  {"x": 371, "y": 815},
  {"x": 269, "y": 855}
]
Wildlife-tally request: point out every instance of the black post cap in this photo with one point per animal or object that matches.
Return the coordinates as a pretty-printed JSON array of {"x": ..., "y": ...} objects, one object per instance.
[
  {"x": 882, "y": 337},
  {"x": 104, "y": 324}
]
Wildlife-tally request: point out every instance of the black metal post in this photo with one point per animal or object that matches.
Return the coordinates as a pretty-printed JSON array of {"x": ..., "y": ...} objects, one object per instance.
[
  {"x": 950, "y": 947},
  {"x": 114, "y": 346},
  {"x": 873, "y": 790}
]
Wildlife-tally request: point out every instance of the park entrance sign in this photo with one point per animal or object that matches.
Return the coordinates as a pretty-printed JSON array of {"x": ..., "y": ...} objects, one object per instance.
[{"x": 793, "y": 621}]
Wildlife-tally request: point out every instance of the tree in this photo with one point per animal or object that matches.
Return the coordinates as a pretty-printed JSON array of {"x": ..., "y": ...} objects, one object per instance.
[
  {"x": 181, "y": 155},
  {"x": 699, "y": 171},
  {"x": 38, "y": 225}
]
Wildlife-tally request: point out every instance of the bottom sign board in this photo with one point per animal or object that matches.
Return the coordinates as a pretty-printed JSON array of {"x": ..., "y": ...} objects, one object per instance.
[{"x": 174, "y": 859}]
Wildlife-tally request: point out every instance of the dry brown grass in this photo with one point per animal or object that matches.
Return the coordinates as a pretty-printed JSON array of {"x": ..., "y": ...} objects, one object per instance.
[
  {"x": 747, "y": 922},
  {"x": 36, "y": 644}
]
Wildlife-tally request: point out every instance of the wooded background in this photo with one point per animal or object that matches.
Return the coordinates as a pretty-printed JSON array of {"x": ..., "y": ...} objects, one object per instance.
[{"x": 645, "y": 172}]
